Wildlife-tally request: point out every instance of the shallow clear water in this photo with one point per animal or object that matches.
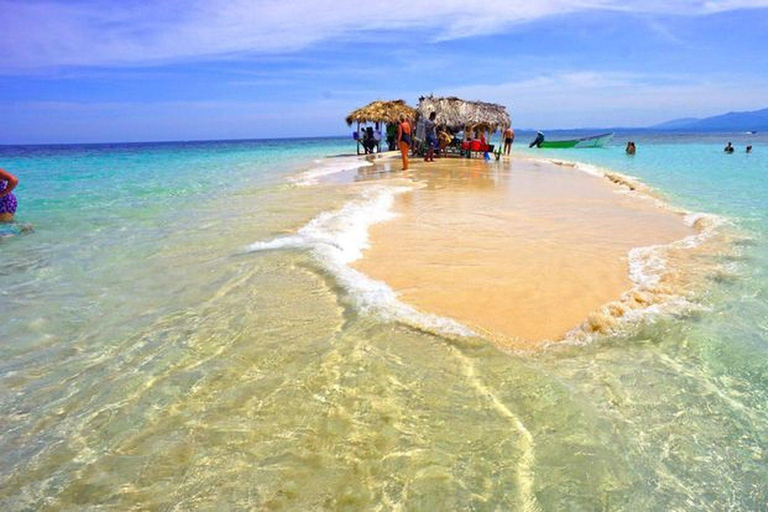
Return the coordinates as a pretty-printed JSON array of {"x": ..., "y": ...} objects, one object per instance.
[{"x": 150, "y": 360}]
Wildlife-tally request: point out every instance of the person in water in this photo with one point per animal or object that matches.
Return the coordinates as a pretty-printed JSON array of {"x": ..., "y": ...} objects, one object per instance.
[
  {"x": 728, "y": 148},
  {"x": 537, "y": 141},
  {"x": 509, "y": 138},
  {"x": 431, "y": 137},
  {"x": 749, "y": 148},
  {"x": 404, "y": 139},
  {"x": 631, "y": 149},
  {"x": 8, "y": 203}
]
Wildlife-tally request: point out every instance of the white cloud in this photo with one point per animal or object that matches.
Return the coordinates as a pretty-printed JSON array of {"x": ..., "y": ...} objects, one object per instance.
[
  {"x": 48, "y": 33},
  {"x": 730, "y": 5},
  {"x": 589, "y": 98}
]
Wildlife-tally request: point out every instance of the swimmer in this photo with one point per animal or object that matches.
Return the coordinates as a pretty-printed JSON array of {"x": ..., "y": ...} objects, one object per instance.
[
  {"x": 728, "y": 148},
  {"x": 7, "y": 200}
]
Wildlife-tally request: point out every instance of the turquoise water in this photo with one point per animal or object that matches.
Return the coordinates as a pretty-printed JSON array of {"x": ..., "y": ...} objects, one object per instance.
[{"x": 150, "y": 359}]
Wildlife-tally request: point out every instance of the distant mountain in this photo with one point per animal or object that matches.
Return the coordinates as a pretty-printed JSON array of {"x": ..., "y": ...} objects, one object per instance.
[
  {"x": 676, "y": 123},
  {"x": 756, "y": 120}
]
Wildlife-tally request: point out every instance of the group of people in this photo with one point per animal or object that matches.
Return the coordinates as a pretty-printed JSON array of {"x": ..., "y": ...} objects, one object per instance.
[
  {"x": 436, "y": 139},
  {"x": 368, "y": 138},
  {"x": 8, "y": 202},
  {"x": 730, "y": 149}
]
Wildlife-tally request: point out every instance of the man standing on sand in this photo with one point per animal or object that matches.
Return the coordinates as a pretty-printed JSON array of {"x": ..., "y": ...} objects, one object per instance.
[{"x": 509, "y": 138}]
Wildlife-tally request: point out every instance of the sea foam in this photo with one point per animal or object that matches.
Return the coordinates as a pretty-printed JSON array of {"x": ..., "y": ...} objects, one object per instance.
[
  {"x": 328, "y": 167},
  {"x": 649, "y": 296},
  {"x": 337, "y": 238}
]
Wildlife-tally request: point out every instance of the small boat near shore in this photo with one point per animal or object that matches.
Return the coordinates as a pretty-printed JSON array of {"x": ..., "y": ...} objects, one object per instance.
[{"x": 594, "y": 141}]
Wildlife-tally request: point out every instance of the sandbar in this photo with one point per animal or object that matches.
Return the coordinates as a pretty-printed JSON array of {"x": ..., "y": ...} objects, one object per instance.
[{"x": 520, "y": 250}]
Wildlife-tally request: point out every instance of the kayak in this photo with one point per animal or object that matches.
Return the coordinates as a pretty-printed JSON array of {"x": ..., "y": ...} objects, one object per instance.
[{"x": 595, "y": 141}]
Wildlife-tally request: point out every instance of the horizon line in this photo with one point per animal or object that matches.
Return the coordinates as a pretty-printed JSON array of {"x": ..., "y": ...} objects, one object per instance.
[{"x": 340, "y": 136}]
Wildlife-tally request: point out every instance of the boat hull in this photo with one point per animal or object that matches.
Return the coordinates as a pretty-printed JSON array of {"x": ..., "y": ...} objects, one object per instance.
[{"x": 595, "y": 141}]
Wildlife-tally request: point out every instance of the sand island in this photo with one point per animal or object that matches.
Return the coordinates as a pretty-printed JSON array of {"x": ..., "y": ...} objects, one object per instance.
[{"x": 520, "y": 250}]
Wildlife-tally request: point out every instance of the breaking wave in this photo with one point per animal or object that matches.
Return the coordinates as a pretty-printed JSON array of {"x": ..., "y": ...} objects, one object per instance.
[
  {"x": 659, "y": 273},
  {"x": 328, "y": 167}
]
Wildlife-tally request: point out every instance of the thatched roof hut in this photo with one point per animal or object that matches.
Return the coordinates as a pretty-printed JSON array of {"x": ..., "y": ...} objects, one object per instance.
[
  {"x": 459, "y": 114},
  {"x": 381, "y": 112}
]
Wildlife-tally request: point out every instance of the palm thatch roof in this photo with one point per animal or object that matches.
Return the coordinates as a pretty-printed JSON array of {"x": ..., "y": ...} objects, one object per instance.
[
  {"x": 458, "y": 114},
  {"x": 381, "y": 112}
]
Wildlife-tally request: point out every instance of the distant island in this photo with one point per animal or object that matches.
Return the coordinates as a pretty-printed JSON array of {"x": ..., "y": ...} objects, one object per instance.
[{"x": 756, "y": 120}]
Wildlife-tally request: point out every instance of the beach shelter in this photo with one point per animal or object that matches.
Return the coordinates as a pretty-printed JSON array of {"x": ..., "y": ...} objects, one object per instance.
[
  {"x": 380, "y": 112},
  {"x": 457, "y": 114}
]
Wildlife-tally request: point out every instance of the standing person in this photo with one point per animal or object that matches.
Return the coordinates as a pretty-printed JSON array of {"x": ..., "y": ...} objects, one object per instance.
[
  {"x": 430, "y": 134},
  {"x": 8, "y": 203},
  {"x": 443, "y": 141},
  {"x": 509, "y": 138},
  {"x": 364, "y": 140},
  {"x": 404, "y": 139},
  {"x": 377, "y": 137},
  {"x": 392, "y": 136},
  {"x": 370, "y": 142}
]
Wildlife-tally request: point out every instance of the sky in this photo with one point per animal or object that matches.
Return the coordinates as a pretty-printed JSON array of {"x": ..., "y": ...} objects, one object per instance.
[{"x": 74, "y": 71}]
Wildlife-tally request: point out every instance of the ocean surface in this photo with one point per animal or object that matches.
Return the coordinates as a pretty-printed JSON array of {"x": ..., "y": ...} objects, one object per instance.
[{"x": 182, "y": 330}]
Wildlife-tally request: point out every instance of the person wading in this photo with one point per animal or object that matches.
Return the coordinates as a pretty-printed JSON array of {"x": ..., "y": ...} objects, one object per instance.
[{"x": 7, "y": 200}]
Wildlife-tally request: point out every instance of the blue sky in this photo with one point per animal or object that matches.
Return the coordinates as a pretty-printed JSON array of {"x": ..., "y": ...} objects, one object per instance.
[{"x": 135, "y": 70}]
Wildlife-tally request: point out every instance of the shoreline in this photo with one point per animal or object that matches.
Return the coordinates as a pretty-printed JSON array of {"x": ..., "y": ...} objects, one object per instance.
[{"x": 586, "y": 289}]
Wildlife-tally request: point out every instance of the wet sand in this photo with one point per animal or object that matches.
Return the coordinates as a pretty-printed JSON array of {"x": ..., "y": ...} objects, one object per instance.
[{"x": 522, "y": 251}]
